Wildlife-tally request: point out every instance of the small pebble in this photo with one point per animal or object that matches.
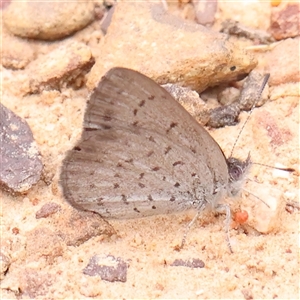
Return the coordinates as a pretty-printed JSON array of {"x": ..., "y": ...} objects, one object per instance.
[
  {"x": 109, "y": 268},
  {"x": 192, "y": 263}
]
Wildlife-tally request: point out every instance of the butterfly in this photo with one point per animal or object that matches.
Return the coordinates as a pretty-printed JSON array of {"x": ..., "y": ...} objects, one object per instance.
[{"x": 142, "y": 154}]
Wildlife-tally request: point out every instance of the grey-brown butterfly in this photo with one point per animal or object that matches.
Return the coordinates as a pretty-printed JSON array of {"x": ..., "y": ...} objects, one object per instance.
[{"x": 142, "y": 154}]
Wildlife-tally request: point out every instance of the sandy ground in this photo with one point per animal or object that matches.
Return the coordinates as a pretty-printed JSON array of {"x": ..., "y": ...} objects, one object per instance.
[{"x": 263, "y": 266}]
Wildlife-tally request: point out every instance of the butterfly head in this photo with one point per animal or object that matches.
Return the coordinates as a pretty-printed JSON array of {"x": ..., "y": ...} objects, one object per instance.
[{"x": 237, "y": 171}]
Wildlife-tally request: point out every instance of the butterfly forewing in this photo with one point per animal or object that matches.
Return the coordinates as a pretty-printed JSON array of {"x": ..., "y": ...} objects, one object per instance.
[{"x": 141, "y": 153}]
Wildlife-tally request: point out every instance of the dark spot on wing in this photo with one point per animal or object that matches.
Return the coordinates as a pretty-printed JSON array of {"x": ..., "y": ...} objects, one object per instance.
[
  {"x": 151, "y": 139},
  {"x": 99, "y": 201},
  {"x": 141, "y": 185},
  {"x": 193, "y": 174},
  {"x": 172, "y": 199},
  {"x": 150, "y": 198},
  {"x": 107, "y": 118},
  {"x": 167, "y": 150},
  {"x": 193, "y": 149},
  {"x": 135, "y": 111},
  {"x": 135, "y": 123},
  {"x": 164, "y": 178},
  {"x": 176, "y": 163},
  {"x": 142, "y": 103},
  {"x": 124, "y": 199},
  {"x": 105, "y": 127},
  {"x": 116, "y": 185},
  {"x": 155, "y": 169},
  {"x": 135, "y": 209},
  {"x": 153, "y": 207},
  {"x": 232, "y": 68},
  {"x": 142, "y": 175},
  {"x": 77, "y": 148},
  {"x": 177, "y": 184},
  {"x": 150, "y": 153},
  {"x": 119, "y": 165},
  {"x": 172, "y": 125}
]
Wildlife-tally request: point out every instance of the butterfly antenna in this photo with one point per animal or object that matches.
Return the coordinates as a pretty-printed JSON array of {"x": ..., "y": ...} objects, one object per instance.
[
  {"x": 277, "y": 168},
  {"x": 256, "y": 197},
  {"x": 265, "y": 80}
]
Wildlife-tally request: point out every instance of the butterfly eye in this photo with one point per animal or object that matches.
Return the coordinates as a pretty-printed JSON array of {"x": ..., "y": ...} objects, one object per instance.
[
  {"x": 235, "y": 173},
  {"x": 236, "y": 168}
]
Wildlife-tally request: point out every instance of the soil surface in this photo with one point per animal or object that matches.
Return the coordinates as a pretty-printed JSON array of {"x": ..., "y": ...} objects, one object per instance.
[{"x": 50, "y": 250}]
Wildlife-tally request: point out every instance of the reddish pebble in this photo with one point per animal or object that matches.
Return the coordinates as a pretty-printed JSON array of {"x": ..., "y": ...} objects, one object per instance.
[{"x": 241, "y": 216}]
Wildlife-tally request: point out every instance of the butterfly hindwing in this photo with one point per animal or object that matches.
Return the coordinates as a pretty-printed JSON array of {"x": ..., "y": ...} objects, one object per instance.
[{"x": 140, "y": 153}]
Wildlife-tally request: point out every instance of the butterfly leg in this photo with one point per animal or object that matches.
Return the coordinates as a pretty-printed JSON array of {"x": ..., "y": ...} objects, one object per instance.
[
  {"x": 226, "y": 208},
  {"x": 201, "y": 207},
  {"x": 188, "y": 229}
]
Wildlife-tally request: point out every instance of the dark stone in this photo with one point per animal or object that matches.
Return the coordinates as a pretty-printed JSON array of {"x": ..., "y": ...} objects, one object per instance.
[{"x": 21, "y": 166}]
